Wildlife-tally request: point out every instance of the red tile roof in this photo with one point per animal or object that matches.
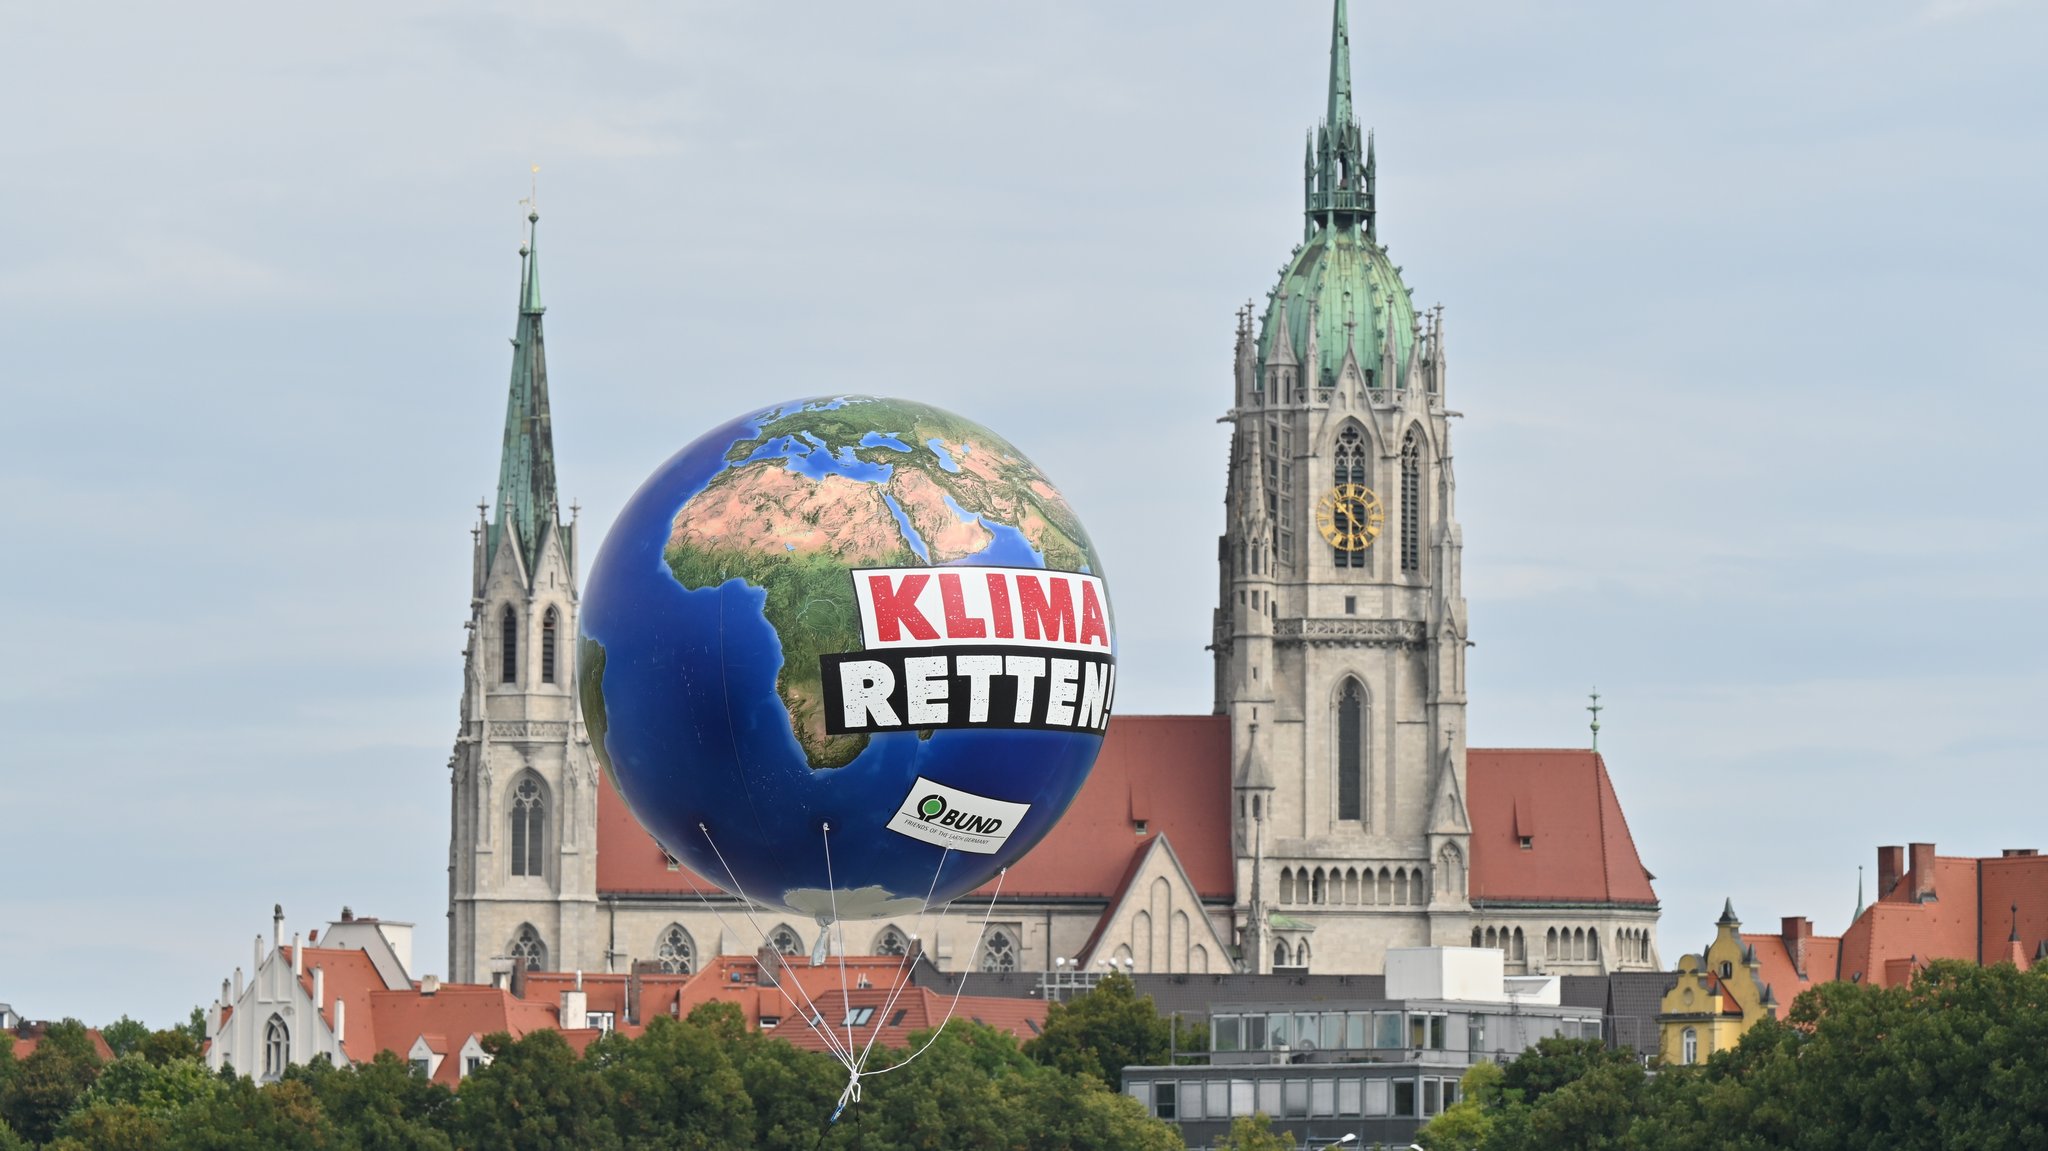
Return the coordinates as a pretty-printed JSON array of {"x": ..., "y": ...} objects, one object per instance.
[
  {"x": 1970, "y": 917},
  {"x": 890, "y": 1023},
  {"x": 1172, "y": 773},
  {"x": 449, "y": 1017},
  {"x": 1562, "y": 801},
  {"x": 350, "y": 978},
  {"x": 29, "y": 1036},
  {"x": 1775, "y": 968}
]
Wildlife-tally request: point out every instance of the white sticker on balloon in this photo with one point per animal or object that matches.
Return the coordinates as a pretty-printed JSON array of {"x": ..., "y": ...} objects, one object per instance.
[{"x": 948, "y": 817}]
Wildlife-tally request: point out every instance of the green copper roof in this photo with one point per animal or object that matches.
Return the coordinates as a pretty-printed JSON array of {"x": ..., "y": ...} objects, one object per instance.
[
  {"x": 1340, "y": 275},
  {"x": 526, "y": 471}
]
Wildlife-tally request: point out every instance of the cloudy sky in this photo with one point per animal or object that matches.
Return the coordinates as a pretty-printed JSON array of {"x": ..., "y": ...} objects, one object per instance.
[{"x": 1744, "y": 303}]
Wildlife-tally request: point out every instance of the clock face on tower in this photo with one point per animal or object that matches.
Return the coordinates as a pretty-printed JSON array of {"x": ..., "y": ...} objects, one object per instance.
[{"x": 1350, "y": 517}]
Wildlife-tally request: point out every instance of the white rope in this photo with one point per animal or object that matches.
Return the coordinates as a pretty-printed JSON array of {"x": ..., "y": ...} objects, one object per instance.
[
  {"x": 997, "y": 894},
  {"x": 815, "y": 1019},
  {"x": 908, "y": 960}
]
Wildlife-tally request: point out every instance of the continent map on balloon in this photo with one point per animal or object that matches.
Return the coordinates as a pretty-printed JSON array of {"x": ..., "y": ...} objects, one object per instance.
[{"x": 856, "y": 482}]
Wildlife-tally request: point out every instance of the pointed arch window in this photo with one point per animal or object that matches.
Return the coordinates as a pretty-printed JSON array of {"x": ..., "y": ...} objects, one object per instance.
[
  {"x": 676, "y": 951},
  {"x": 891, "y": 942},
  {"x": 527, "y": 950},
  {"x": 998, "y": 953},
  {"x": 1351, "y": 469},
  {"x": 277, "y": 1047},
  {"x": 1411, "y": 502},
  {"x": 1351, "y": 735},
  {"x": 529, "y": 828},
  {"x": 508, "y": 645},
  {"x": 547, "y": 646}
]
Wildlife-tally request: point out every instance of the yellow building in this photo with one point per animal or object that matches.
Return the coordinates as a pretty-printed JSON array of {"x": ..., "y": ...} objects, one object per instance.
[{"x": 1716, "y": 999}]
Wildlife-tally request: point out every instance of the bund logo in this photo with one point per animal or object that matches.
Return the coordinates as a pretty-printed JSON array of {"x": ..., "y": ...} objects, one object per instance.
[{"x": 960, "y": 820}]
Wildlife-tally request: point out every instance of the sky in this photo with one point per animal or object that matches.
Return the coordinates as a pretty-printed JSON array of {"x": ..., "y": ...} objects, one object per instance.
[{"x": 1743, "y": 305}]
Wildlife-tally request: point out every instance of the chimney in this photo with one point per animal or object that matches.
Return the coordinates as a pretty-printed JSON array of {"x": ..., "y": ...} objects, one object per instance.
[
  {"x": 575, "y": 1015},
  {"x": 1795, "y": 930},
  {"x": 347, "y": 914},
  {"x": 430, "y": 984},
  {"x": 518, "y": 978},
  {"x": 633, "y": 991},
  {"x": 312, "y": 936},
  {"x": 1923, "y": 872},
  {"x": 276, "y": 924},
  {"x": 341, "y": 1020},
  {"x": 319, "y": 989},
  {"x": 1891, "y": 864},
  {"x": 768, "y": 960},
  {"x": 298, "y": 957}
]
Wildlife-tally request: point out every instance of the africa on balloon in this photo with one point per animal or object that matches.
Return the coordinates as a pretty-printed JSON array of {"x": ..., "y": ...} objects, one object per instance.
[{"x": 847, "y": 656}]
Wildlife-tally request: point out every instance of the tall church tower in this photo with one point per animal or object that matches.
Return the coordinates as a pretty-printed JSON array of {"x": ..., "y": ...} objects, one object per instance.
[
  {"x": 522, "y": 850},
  {"x": 1340, "y": 630}
]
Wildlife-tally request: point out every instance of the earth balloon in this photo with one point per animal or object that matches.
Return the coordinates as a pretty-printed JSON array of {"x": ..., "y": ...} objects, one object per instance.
[{"x": 856, "y": 614}]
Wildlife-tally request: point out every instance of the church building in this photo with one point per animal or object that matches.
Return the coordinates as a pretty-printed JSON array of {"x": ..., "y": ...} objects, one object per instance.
[{"x": 1328, "y": 808}]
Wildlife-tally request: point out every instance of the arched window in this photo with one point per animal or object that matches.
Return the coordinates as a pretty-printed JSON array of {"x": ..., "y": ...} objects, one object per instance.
[
  {"x": 1476, "y": 937},
  {"x": 1301, "y": 955},
  {"x": 1287, "y": 885},
  {"x": 1351, "y": 469},
  {"x": 1690, "y": 1040},
  {"x": 1386, "y": 888},
  {"x": 527, "y": 950},
  {"x": 676, "y": 951},
  {"x": 547, "y": 647},
  {"x": 891, "y": 942},
  {"x": 1400, "y": 885},
  {"x": 1521, "y": 948},
  {"x": 1315, "y": 886},
  {"x": 529, "y": 828},
  {"x": 1550, "y": 944},
  {"x": 508, "y": 645},
  {"x": 1450, "y": 873},
  {"x": 998, "y": 953},
  {"x": 277, "y": 1048},
  {"x": 1351, "y": 750},
  {"x": 1411, "y": 502},
  {"x": 1593, "y": 944},
  {"x": 786, "y": 940},
  {"x": 1280, "y": 955},
  {"x": 1351, "y": 885}
]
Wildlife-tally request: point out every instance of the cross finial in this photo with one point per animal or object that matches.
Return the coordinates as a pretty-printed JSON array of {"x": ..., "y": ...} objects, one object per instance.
[{"x": 1596, "y": 709}]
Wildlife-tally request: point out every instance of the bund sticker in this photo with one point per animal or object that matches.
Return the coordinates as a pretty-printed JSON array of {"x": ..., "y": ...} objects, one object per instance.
[{"x": 961, "y": 820}]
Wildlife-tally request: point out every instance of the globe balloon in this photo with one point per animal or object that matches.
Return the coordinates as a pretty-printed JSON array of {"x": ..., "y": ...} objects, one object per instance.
[{"x": 847, "y": 656}]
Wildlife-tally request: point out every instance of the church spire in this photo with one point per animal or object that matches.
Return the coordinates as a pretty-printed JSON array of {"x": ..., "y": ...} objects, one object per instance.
[
  {"x": 1343, "y": 168},
  {"x": 526, "y": 470},
  {"x": 1340, "y": 71}
]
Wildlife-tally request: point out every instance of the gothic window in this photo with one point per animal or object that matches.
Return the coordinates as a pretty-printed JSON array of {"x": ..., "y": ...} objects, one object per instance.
[
  {"x": 1550, "y": 944},
  {"x": 1521, "y": 949},
  {"x": 1315, "y": 886},
  {"x": 1411, "y": 502},
  {"x": 1476, "y": 938},
  {"x": 1450, "y": 872},
  {"x": 891, "y": 942},
  {"x": 277, "y": 1048},
  {"x": 1400, "y": 885},
  {"x": 1280, "y": 489},
  {"x": 1301, "y": 954},
  {"x": 1287, "y": 885},
  {"x": 1351, "y": 469},
  {"x": 1351, "y": 885},
  {"x": 785, "y": 940},
  {"x": 1593, "y": 944},
  {"x": 527, "y": 950},
  {"x": 1280, "y": 955},
  {"x": 547, "y": 647},
  {"x": 529, "y": 828},
  {"x": 1351, "y": 750},
  {"x": 508, "y": 645},
  {"x": 1386, "y": 888},
  {"x": 677, "y": 952},
  {"x": 998, "y": 953}
]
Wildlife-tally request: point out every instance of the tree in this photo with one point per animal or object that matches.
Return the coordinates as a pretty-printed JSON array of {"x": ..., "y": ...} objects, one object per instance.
[
  {"x": 124, "y": 1035},
  {"x": 1106, "y": 1029},
  {"x": 1464, "y": 1125},
  {"x": 1255, "y": 1133},
  {"x": 675, "y": 1086},
  {"x": 380, "y": 1105},
  {"x": 43, "y": 1089},
  {"x": 533, "y": 1096},
  {"x": 282, "y": 1116},
  {"x": 1060, "y": 1112}
]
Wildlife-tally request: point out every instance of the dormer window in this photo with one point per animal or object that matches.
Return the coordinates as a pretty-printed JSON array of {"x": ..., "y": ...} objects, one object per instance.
[{"x": 1525, "y": 842}]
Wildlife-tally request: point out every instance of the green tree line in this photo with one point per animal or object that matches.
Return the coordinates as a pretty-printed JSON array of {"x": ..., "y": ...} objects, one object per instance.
[
  {"x": 1958, "y": 1059},
  {"x": 703, "y": 1083}
]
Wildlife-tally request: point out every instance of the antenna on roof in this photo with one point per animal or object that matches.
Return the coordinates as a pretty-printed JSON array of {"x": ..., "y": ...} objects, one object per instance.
[{"x": 1596, "y": 709}]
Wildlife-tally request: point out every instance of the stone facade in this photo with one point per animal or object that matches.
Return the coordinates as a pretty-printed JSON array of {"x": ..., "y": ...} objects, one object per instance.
[{"x": 522, "y": 866}]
